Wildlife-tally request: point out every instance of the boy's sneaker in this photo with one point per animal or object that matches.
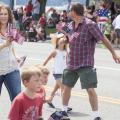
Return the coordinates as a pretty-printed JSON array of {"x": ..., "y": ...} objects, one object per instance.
[
  {"x": 51, "y": 105},
  {"x": 59, "y": 115},
  {"x": 69, "y": 109},
  {"x": 98, "y": 118}
]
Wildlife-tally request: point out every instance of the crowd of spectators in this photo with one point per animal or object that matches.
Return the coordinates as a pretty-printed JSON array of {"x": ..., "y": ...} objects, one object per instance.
[{"x": 29, "y": 19}]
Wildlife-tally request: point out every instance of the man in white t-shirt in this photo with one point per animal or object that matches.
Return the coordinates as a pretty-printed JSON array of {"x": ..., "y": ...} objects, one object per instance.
[
  {"x": 116, "y": 25},
  {"x": 36, "y": 9}
]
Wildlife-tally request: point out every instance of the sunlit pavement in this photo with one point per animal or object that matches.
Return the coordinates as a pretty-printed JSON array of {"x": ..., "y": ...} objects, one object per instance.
[{"x": 108, "y": 87}]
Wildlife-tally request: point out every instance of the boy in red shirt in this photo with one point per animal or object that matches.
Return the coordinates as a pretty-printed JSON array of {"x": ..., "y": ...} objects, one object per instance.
[
  {"x": 45, "y": 73},
  {"x": 28, "y": 104}
]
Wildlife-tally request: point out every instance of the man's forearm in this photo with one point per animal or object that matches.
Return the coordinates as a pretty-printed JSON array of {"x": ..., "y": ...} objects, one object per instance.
[{"x": 109, "y": 45}]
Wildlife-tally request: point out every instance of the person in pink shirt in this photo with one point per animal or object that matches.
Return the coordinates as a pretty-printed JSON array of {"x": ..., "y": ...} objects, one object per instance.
[
  {"x": 28, "y": 104},
  {"x": 42, "y": 21}
]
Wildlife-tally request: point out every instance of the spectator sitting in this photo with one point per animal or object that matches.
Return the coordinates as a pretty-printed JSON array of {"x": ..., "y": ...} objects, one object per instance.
[
  {"x": 41, "y": 33},
  {"x": 42, "y": 21},
  {"x": 32, "y": 33}
]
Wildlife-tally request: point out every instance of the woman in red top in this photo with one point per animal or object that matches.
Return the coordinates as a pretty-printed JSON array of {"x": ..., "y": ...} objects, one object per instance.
[{"x": 29, "y": 8}]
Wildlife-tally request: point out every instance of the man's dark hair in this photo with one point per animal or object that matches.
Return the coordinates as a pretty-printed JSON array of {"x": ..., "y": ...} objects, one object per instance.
[{"x": 78, "y": 9}]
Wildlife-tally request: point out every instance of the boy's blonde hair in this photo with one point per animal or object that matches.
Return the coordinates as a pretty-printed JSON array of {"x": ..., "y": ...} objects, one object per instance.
[
  {"x": 43, "y": 69},
  {"x": 28, "y": 72}
]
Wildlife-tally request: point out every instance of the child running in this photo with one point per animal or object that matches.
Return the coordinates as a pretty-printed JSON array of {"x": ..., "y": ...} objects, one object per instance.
[
  {"x": 44, "y": 74},
  {"x": 59, "y": 55},
  {"x": 44, "y": 79},
  {"x": 28, "y": 104}
]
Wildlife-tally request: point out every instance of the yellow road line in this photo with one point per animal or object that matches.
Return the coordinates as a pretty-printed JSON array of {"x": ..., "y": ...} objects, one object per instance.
[{"x": 83, "y": 95}]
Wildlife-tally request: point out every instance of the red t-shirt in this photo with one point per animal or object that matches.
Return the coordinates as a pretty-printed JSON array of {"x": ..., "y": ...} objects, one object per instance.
[
  {"x": 24, "y": 108},
  {"x": 42, "y": 93}
]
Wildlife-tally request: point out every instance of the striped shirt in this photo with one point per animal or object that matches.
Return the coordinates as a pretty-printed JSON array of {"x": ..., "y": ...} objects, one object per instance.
[{"x": 82, "y": 44}]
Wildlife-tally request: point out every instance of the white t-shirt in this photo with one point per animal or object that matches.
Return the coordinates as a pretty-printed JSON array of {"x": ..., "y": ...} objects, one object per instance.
[
  {"x": 8, "y": 62},
  {"x": 59, "y": 62},
  {"x": 116, "y": 22},
  {"x": 36, "y": 7}
]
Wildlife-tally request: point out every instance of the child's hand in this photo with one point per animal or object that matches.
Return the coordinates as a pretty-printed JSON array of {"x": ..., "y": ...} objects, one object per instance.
[
  {"x": 22, "y": 33},
  {"x": 49, "y": 99},
  {"x": 40, "y": 118}
]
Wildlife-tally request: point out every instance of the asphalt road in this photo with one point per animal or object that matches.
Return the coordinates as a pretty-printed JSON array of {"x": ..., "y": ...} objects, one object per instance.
[{"x": 108, "y": 88}]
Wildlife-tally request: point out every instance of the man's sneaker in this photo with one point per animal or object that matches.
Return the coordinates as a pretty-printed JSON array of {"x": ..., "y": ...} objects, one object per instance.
[
  {"x": 51, "y": 105},
  {"x": 69, "y": 109},
  {"x": 65, "y": 115},
  {"x": 98, "y": 118}
]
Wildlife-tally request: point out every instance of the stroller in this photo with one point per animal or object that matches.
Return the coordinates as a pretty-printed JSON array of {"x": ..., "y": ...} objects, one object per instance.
[
  {"x": 30, "y": 30},
  {"x": 26, "y": 23}
]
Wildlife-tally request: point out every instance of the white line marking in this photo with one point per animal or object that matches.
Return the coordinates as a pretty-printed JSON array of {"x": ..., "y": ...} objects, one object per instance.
[
  {"x": 33, "y": 59},
  {"x": 108, "y": 68},
  {"x": 98, "y": 67}
]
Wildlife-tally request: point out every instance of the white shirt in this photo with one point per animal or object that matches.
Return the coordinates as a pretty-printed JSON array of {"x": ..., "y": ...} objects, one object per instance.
[
  {"x": 36, "y": 7},
  {"x": 59, "y": 62},
  {"x": 8, "y": 62},
  {"x": 116, "y": 22}
]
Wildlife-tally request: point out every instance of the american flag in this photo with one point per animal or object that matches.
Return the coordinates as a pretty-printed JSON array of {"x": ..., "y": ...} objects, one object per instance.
[{"x": 103, "y": 12}]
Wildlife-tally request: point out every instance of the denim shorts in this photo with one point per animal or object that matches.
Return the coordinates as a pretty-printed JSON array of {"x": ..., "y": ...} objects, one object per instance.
[
  {"x": 57, "y": 76},
  {"x": 117, "y": 33},
  {"x": 12, "y": 82}
]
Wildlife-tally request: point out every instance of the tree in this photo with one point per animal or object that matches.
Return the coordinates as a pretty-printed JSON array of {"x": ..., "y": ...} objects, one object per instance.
[{"x": 42, "y": 6}]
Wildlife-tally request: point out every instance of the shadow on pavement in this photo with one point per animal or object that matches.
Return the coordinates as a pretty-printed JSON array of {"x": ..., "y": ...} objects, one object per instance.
[{"x": 78, "y": 114}]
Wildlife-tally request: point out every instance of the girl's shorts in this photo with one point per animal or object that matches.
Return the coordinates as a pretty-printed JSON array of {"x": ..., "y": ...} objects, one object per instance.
[{"x": 57, "y": 76}]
